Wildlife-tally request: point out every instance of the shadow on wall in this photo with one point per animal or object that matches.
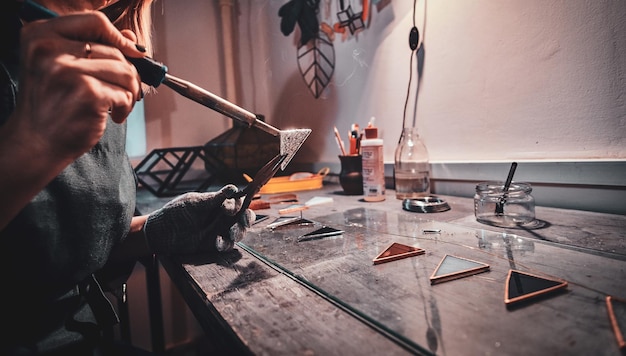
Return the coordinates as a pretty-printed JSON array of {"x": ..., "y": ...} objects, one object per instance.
[
  {"x": 346, "y": 99},
  {"x": 292, "y": 110}
]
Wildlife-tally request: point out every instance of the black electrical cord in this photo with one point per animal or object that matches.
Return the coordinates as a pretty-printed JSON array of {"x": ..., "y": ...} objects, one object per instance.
[{"x": 414, "y": 44}]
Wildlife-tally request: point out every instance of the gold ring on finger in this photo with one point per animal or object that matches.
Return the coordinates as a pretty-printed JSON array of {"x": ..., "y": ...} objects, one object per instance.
[{"x": 87, "y": 50}]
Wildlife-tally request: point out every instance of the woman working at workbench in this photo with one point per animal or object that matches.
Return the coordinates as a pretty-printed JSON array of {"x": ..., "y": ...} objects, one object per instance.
[{"x": 67, "y": 187}]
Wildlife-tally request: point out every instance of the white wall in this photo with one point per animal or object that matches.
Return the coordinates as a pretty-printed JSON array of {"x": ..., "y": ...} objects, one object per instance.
[
  {"x": 530, "y": 81},
  {"x": 504, "y": 80},
  {"x": 187, "y": 41}
]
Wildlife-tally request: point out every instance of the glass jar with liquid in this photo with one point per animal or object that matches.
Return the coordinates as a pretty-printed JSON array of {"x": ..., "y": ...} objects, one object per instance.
[
  {"x": 411, "y": 166},
  {"x": 494, "y": 206}
]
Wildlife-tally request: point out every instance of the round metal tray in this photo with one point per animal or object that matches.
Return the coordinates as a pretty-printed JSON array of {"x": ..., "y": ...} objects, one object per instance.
[{"x": 425, "y": 205}]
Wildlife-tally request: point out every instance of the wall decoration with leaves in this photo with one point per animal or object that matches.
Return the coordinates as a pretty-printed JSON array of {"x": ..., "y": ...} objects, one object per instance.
[{"x": 316, "y": 53}]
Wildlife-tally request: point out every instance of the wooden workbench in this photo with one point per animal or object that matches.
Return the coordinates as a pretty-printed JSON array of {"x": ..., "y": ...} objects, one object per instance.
[{"x": 325, "y": 297}]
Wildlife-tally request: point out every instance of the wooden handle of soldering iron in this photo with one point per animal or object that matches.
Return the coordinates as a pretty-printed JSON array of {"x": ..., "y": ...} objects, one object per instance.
[
  {"x": 154, "y": 73},
  {"x": 212, "y": 101}
]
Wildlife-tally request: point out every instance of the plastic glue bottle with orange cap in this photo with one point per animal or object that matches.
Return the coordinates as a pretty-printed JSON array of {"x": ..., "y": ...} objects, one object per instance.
[{"x": 373, "y": 164}]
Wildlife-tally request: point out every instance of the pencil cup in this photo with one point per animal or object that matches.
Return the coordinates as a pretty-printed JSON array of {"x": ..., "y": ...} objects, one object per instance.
[{"x": 351, "y": 175}]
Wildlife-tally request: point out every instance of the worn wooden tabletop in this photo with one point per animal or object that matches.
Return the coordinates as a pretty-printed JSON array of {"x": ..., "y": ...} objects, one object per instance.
[{"x": 326, "y": 298}]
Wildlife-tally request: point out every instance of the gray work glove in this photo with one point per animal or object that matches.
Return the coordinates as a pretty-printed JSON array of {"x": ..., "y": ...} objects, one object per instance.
[{"x": 198, "y": 222}]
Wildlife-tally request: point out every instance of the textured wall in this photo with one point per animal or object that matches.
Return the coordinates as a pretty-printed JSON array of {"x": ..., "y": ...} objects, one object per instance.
[{"x": 523, "y": 80}]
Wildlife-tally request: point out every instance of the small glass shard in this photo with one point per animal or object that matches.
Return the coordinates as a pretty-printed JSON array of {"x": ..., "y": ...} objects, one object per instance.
[
  {"x": 453, "y": 267},
  {"x": 431, "y": 231},
  {"x": 521, "y": 286},
  {"x": 324, "y": 231},
  {"x": 397, "y": 251},
  {"x": 288, "y": 220},
  {"x": 617, "y": 314}
]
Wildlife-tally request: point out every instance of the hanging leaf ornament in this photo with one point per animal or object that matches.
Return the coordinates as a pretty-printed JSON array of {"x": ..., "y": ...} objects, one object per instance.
[{"x": 316, "y": 61}]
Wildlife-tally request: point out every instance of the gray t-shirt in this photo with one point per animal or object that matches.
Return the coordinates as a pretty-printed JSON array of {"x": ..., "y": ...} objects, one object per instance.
[{"x": 62, "y": 237}]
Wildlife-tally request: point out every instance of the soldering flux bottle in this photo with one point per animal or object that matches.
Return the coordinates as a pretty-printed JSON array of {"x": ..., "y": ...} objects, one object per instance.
[
  {"x": 373, "y": 165},
  {"x": 411, "y": 166}
]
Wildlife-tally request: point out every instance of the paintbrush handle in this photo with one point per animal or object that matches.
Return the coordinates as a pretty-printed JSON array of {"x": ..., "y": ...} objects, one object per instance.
[
  {"x": 505, "y": 189},
  {"x": 509, "y": 178}
]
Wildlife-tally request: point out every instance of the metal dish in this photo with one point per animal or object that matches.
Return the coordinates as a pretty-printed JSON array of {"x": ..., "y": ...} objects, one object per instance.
[{"x": 425, "y": 205}]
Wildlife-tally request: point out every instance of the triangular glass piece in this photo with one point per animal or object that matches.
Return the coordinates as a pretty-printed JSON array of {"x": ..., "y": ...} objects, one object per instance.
[
  {"x": 324, "y": 231},
  {"x": 452, "y": 267},
  {"x": 617, "y": 314},
  {"x": 288, "y": 221},
  {"x": 521, "y": 286},
  {"x": 397, "y": 251}
]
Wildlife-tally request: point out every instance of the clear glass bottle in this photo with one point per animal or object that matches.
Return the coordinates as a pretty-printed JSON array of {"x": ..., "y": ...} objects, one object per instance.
[
  {"x": 411, "y": 168},
  {"x": 493, "y": 206}
]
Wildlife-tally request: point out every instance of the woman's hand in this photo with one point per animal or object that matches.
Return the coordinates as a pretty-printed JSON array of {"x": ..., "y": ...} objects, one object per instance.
[
  {"x": 199, "y": 222},
  {"x": 73, "y": 73}
]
